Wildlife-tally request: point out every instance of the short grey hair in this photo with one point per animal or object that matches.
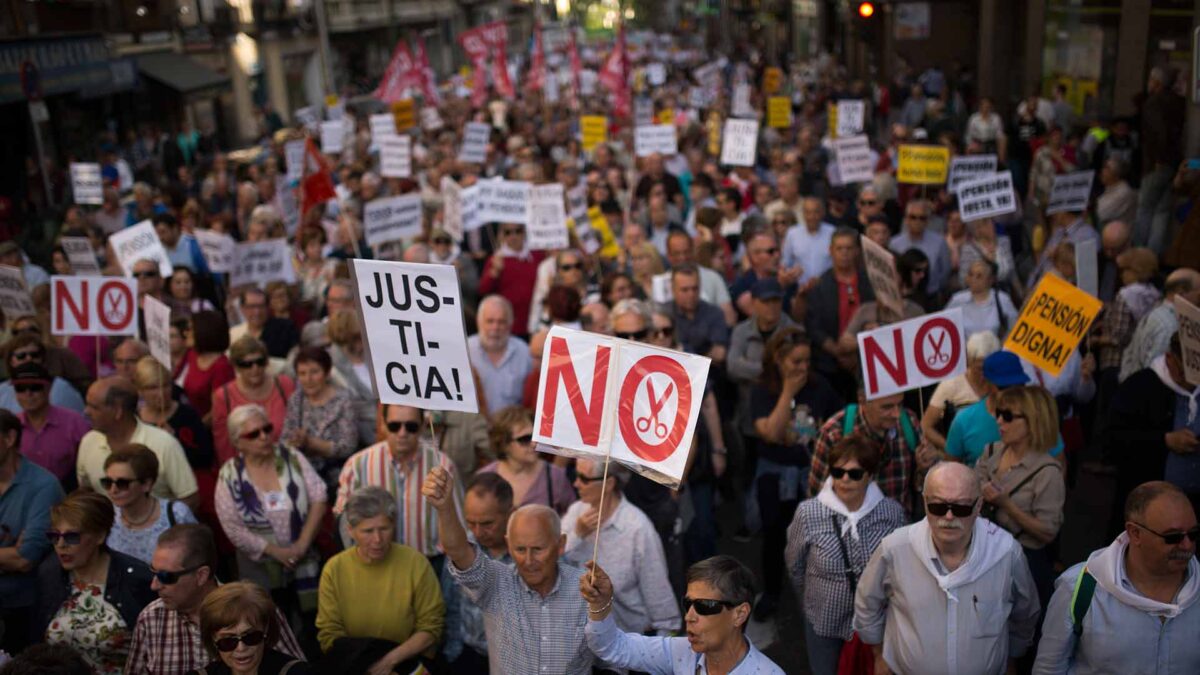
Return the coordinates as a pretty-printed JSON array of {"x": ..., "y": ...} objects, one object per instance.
[
  {"x": 496, "y": 298},
  {"x": 632, "y": 306},
  {"x": 369, "y": 502},
  {"x": 548, "y": 516},
  {"x": 239, "y": 417},
  {"x": 266, "y": 214},
  {"x": 982, "y": 345},
  {"x": 733, "y": 581}
]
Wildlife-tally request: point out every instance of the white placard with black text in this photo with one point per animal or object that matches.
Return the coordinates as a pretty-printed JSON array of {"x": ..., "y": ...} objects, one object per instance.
[
  {"x": 392, "y": 218},
  {"x": 140, "y": 242},
  {"x": 739, "y": 142}
]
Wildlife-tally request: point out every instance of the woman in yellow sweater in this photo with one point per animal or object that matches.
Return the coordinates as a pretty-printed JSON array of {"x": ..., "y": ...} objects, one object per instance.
[{"x": 380, "y": 605}]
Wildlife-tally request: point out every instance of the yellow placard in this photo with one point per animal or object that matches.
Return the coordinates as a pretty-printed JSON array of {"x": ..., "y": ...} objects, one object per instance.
[
  {"x": 772, "y": 80},
  {"x": 405, "y": 112},
  {"x": 831, "y": 115},
  {"x": 594, "y": 129},
  {"x": 713, "y": 126},
  {"x": 665, "y": 116},
  {"x": 1054, "y": 319},
  {"x": 331, "y": 100},
  {"x": 779, "y": 112},
  {"x": 608, "y": 248},
  {"x": 923, "y": 164}
]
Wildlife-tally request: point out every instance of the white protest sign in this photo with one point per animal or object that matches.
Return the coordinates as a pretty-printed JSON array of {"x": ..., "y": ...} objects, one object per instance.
[
  {"x": 452, "y": 208},
  {"x": 913, "y": 353},
  {"x": 587, "y": 81},
  {"x": 333, "y": 137},
  {"x": 966, "y": 167},
  {"x": 547, "y": 228},
  {"x": 741, "y": 102},
  {"x": 309, "y": 116},
  {"x": 739, "y": 142},
  {"x": 293, "y": 152},
  {"x": 598, "y": 394},
  {"x": 93, "y": 306},
  {"x": 289, "y": 209},
  {"x": 1189, "y": 338},
  {"x": 412, "y": 324},
  {"x": 660, "y": 288},
  {"x": 470, "y": 208},
  {"x": 140, "y": 242},
  {"x": 14, "y": 295},
  {"x": 851, "y": 116},
  {"x": 217, "y": 248},
  {"x": 503, "y": 201},
  {"x": 382, "y": 125},
  {"x": 699, "y": 97},
  {"x": 643, "y": 111},
  {"x": 86, "y": 184},
  {"x": 474, "y": 143},
  {"x": 430, "y": 119},
  {"x": 81, "y": 255},
  {"x": 262, "y": 262},
  {"x": 395, "y": 156},
  {"x": 655, "y": 138},
  {"x": 656, "y": 74},
  {"x": 854, "y": 162},
  {"x": 392, "y": 218},
  {"x": 881, "y": 270},
  {"x": 158, "y": 329},
  {"x": 337, "y": 111},
  {"x": 1087, "y": 276},
  {"x": 1070, "y": 192},
  {"x": 986, "y": 197}
]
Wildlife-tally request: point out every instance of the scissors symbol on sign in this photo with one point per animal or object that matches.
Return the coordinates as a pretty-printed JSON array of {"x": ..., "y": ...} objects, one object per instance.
[
  {"x": 938, "y": 357},
  {"x": 644, "y": 424}
]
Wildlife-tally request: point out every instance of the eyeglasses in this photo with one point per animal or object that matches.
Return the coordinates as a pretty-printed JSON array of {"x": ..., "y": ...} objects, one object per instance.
[
  {"x": 570, "y": 267},
  {"x": 409, "y": 426},
  {"x": 839, "y": 473},
  {"x": 268, "y": 429},
  {"x": 636, "y": 335},
  {"x": 261, "y": 362},
  {"x": 68, "y": 538},
  {"x": 940, "y": 509},
  {"x": 586, "y": 480},
  {"x": 706, "y": 606},
  {"x": 523, "y": 440},
  {"x": 167, "y": 578},
  {"x": 1007, "y": 416},
  {"x": 1173, "y": 538},
  {"x": 515, "y": 230},
  {"x": 441, "y": 241},
  {"x": 230, "y": 642},
  {"x": 29, "y": 388},
  {"x": 145, "y": 275},
  {"x": 120, "y": 483},
  {"x": 26, "y": 356}
]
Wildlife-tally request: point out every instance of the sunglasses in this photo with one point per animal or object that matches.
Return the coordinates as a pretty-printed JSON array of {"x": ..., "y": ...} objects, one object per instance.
[
  {"x": 261, "y": 362},
  {"x": 638, "y": 335},
  {"x": 523, "y": 440},
  {"x": 171, "y": 578},
  {"x": 940, "y": 509},
  {"x": 261, "y": 431},
  {"x": 27, "y": 388},
  {"x": 28, "y": 330},
  {"x": 770, "y": 251},
  {"x": 26, "y": 356},
  {"x": 68, "y": 538},
  {"x": 665, "y": 331},
  {"x": 442, "y": 241},
  {"x": 706, "y": 606},
  {"x": 570, "y": 267},
  {"x": 519, "y": 230},
  {"x": 1007, "y": 416},
  {"x": 409, "y": 426},
  {"x": 866, "y": 202},
  {"x": 587, "y": 480},
  {"x": 839, "y": 473},
  {"x": 1173, "y": 538},
  {"x": 230, "y": 642},
  {"x": 145, "y": 275},
  {"x": 120, "y": 483}
]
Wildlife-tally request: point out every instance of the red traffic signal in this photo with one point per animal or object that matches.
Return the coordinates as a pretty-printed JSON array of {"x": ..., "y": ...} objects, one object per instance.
[{"x": 866, "y": 10}]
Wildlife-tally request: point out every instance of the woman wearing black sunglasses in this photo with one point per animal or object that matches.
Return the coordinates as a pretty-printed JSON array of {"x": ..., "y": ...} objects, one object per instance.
[
  {"x": 89, "y": 596},
  {"x": 237, "y": 622},
  {"x": 129, "y": 477},
  {"x": 533, "y": 479},
  {"x": 252, "y": 384}
]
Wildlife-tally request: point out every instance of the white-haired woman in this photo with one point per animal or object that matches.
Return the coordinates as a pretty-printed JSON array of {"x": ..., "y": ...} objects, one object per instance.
[{"x": 959, "y": 391}]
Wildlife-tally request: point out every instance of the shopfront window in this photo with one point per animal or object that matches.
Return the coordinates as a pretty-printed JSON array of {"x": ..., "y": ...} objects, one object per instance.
[{"x": 1080, "y": 52}]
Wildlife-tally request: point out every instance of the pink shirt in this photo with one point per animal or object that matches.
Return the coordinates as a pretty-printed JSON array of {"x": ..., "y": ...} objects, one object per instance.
[{"x": 55, "y": 446}]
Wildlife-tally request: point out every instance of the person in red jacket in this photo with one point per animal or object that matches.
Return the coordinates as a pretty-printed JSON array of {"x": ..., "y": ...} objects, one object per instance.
[{"x": 512, "y": 272}]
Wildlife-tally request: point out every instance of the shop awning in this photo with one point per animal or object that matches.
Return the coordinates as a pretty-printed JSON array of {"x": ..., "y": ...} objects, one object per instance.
[{"x": 181, "y": 73}]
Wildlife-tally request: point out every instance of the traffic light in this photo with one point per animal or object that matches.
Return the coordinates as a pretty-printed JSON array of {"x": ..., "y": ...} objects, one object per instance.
[{"x": 866, "y": 10}]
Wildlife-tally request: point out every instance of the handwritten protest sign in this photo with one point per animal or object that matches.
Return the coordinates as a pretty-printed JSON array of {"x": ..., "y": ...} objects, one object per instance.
[
  {"x": 1056, "y": 316},
  {"x": 217, "y": 248},
  {"x": 140, "y": 242},
  {"x": 923, "y": 164},
  {"x": 413, "y": 327},
  {"x": 504, "y": 201},
  {"x": 382, "y": 125},
  {"x": 392, "y": 218},
  {"x": 262, "y": 262},
  {"x": 1189, "y": 338},
  {"x": 986, "y": 197},
  {"x": 593, "y": 130},
  {"x": 1070, "y": 192},
  {"x": 739, "y": 142},
  {"x": 854, "y": 160},
  {"x": 93, "y": 306},
  {"x": 395, "y": 156},
  {"x": 87, "y": 187},
  {"x": 474, "y": 143},
  {"x": 966, "y": 167},
  {"x": 547, "y": 229},
  {"x": 15, "y": 300},
  {"x": 881, "y": 270},
  {"x": 158, "y": 330},
  {"x": 914, "y": 353},
  {"x": 655, "y": 138},
  {"x": 81, "y": 255}
]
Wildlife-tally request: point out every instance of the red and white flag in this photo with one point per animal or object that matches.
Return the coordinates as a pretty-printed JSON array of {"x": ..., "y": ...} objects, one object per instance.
[
  {"x": 537, "y": 63},
  {"x": 614, "y": 75},
  {"x": 475, "y": 44},
  {"x": 316, "y": 187},
  {"x": 497, "y": 39},
  {"x": 398, "y": 76},
  {"x": 425, "y": 74}
]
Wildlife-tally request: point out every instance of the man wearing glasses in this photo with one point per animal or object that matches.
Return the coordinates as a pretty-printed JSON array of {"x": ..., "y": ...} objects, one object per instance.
[
  {"x": 949, "y": 594},
  {"x": 915, "y": 234},
  {"x": 167, "y": 636},
  {"x": 1133, "y": 603}
]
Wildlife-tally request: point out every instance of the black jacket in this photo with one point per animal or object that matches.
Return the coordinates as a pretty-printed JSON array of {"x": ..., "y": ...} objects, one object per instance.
[
  {"x": 127, "y": 588},
  {"x": 822, "y": 319},
  {"x": 1141, "y": 413},
  {"x": 273, "y": 663}
]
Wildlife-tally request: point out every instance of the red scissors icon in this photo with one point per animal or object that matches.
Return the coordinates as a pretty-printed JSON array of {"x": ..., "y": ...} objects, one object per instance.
[{"x": 643, "y": 424}]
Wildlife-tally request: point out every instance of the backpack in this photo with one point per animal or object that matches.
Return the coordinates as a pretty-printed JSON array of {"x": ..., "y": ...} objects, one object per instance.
[{"x": 906, "y": 429}]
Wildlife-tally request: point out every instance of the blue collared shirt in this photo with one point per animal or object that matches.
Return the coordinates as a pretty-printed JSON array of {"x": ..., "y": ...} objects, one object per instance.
[
  {"x": 662, "y": 655},
  {"x": 25, "y": 516},
  {"x": 503, "y": 384}
]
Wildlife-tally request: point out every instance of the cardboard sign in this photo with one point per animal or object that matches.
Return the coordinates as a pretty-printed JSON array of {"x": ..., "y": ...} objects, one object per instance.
[
  {"x": 1070, "y": 192},
  {"x": 741, "y": 102},
  {"x": 15, "y": 300},
  {"x": 93, "y": 306},
  {"x": 476, "y": 136},
  {"x": 404, "y": 113},
  {"x": 779, "y": 112},
  {"x": 593, "y": 130},
  {"x": 1056, "y": 316},
  {"x": 881, "y": 270},
  {"x": 452, "y": 208},
  {"x": 140, "y": 242},
  {"x": 772, "y": 80},
  {"x": 392, "y": 218},
  {"x": 217, "y": 248},
  {"x": 854, "y": 161},
  {"x": 333, "y": 137},
  {"x": 412, "y": 323},
  {"x": 81, "y": 256},
  {"x": 604, "y": 397},
  {"x": 395, "y": 156},
  {"x": 660, "y": 288},
  {"x": 655, "y": 138},
  {"x": 87, "y": 187},
  {"x": 293, "y": 153},
  {"x": 986, "y": 197},
  {"x": 261, "y": 262},
  {"x": 1087, "y": 276},
  {"x": 851, "y": 117},
  {"x": 739, "y": 142},
  {"x": 547, "y": 228},
  {"x": 1189, "y": 338},
  {"x": 382, "y": 125},
  {"x": 923, "y": 164},
  {"x": 913, "y": 353},
  {"x": 158, "y": 330},
  {"x": 503, "y": 201},
  {"x": 966, "y": 167}
]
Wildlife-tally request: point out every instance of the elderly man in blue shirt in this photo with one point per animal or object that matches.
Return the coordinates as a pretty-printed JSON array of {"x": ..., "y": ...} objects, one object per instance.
[{"x": 915, "y": 234}]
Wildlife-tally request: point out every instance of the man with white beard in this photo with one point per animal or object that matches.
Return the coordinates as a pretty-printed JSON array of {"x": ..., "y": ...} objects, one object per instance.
[{"x": 949, "y": 594}]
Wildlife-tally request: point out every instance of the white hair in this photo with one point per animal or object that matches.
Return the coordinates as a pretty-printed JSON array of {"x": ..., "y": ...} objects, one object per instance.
[
  {"x": 982, "y": 345},
  {"x": 631, "y": 306},
  {"x": 548, "y": 516},
  {"x": 241, "y": 415},
  {"x": 495, "y": 299}
]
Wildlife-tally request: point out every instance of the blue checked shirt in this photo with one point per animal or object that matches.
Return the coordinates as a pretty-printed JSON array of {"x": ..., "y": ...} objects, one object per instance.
[{"x": 664, "y": 656}]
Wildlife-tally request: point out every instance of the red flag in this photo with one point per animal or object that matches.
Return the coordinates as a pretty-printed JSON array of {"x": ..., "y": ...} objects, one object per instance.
[
  {"x": 476, "y": 48},
  {"x": 425, "y": 74},
  {"x": 496, "y": 36},
  {"x": 317, "y": 185},
  {"x": 537, "y": 64},
  {"x": 398, "y": 76},
  {"x": 615, "y": 74},
  {"x": 576, "y": 62}
]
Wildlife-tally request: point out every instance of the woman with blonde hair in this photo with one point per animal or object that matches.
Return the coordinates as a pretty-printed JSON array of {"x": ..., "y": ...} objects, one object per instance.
[{"x": 645, "y": 263}]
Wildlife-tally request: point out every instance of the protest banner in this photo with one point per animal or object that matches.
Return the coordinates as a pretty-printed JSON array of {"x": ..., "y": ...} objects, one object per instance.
[
  {"x": 739, "y": 142},
  {"x": 293, "y": 154},
  {"x": 158, "y": 330},
  {"x": 1070, "y": 192},
  {"x": 923, "y": 164},
  {"x": 87, "y": 186},
  {"x": 851, "y": 117},
  {"x": 404, "y": 114},
  {"x": 986, "y": 197},
  {"x": 503, "y": 201},
  {"x": 854, "y": 160},
  {"x": 15, "y": 299},
  {"x": 655, "y": 138},
  {"x": 412, "y": 323},
  {"x": 547, "y": 228},
  {"x": 700, "y": 98},
  {"x": 392, "y": 218},
  {"x": 1189, "y": 338},
  {"x": 333, "y": 137},
  {"x": 1087, "y": 257},
  {"x": 779, "y": 112},
  {"x": 880, "y": 264},
  {"x": 476, "y": 136},
  {"x": 1055, "y": 317},
  {"x": 262, "y": 262},
  {"x": 593, "y": 130},
  {"x": 602, "y": 397},
  {"x": 741, "y": 102},
  {"x": 93, "y": 306},
  {"x": 452, "y": 208},
  {"x": 967, "y": 167},
  {"x": 383, "y": 124},
  {"x": 140, "y": 242},
  {"x": 772, "y": 80},
  {"x": 395, "y": 156},
  {"x": 217, "y": 248},
  {"x": 914, "y": 353},
  {"x": 81, "y": 255}
]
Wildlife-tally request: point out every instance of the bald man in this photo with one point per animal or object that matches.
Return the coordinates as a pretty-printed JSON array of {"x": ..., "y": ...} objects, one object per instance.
[
  {"x": 969, "y": 604},
  {"x": 1153, "y": 333},
  {"x": 1114, "y": 240}
]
